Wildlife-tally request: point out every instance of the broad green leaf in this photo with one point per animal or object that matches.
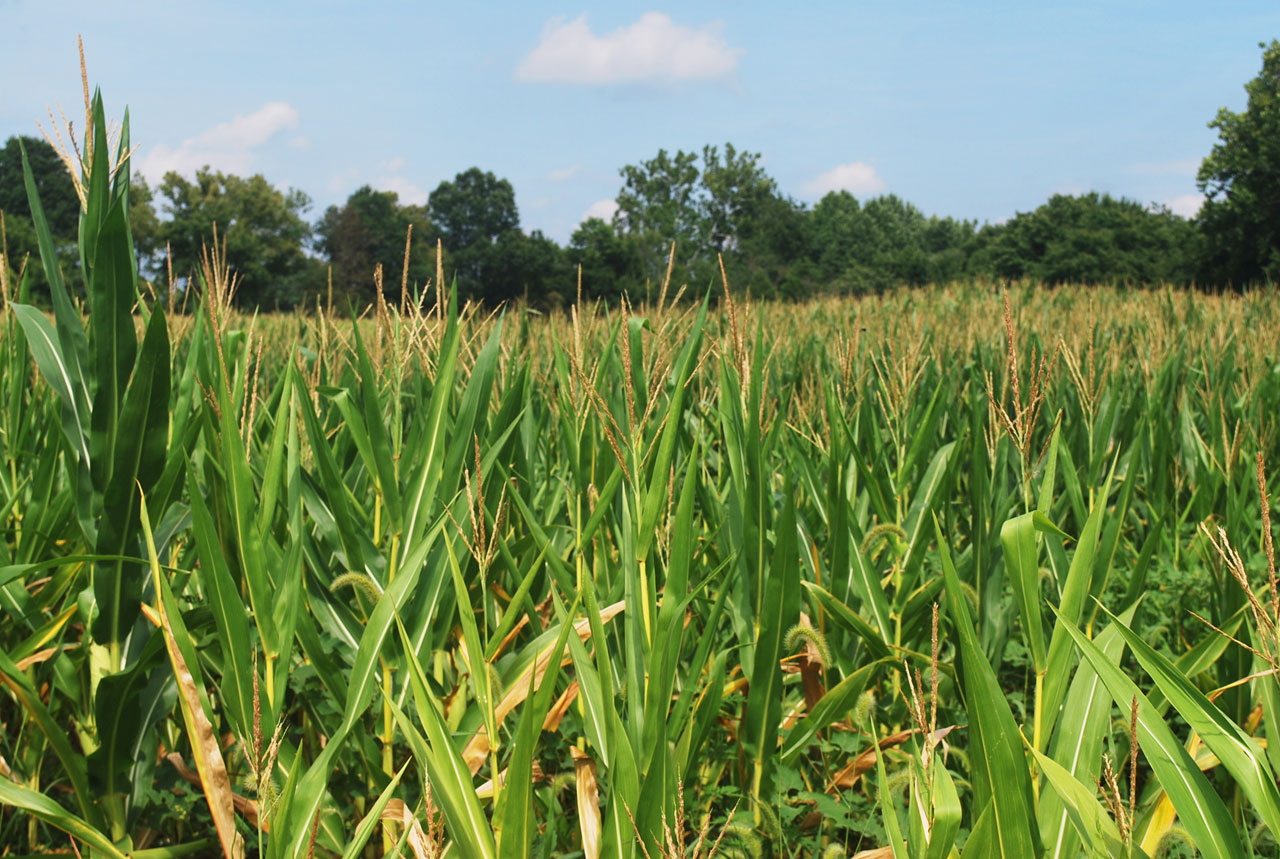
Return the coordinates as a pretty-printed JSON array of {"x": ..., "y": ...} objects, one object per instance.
[
  {"x": 1000, "y": 774},
  {"x": 1200, "y": 808}
]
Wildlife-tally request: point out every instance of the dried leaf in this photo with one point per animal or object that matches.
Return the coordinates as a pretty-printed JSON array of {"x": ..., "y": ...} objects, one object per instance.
[{"x": 588, "y": 791}]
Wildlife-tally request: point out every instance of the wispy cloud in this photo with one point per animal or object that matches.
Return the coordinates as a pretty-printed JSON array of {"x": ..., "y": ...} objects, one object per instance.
[
  {"x": 230, "y": 146},
  {"x": 1187, "y": 205},
  {"x": 391, "y": 176},
  {"x": 1176, "y": 167},
  {"x": 653, "y": 50},
  {"x": 602, "y": 209},
  {"x": 409, "y": 193},
  {"x": 564, "y": 173},
  {"x": 857, "y": 177}
]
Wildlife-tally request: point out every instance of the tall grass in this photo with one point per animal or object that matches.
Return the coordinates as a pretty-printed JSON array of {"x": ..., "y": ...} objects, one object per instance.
[{"x": 962, "y": 571}]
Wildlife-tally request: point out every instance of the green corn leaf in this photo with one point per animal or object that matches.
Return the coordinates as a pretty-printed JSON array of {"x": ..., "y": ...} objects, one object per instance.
[
  {"x": 364, "y": 829},
  {"x": 1198, "y": 805},
  {"x": 832, "y": 707},
  {"x": 1239, "y": 754},
  {"x": 847, "y": 618},
  {"x": 468, "y": 826},
  {"x": 137, "y": 461},
  {"x": 1000, "y": 774},
  {"x": 73, "y": 764},
  {"x": 1018, "y": 535},
  {"x": 888, "y": 813},
  {"x": 43, "y": 808},
  {"x": 1094, "y": 827},
  {"x": 1077, "y": 744},
  {"x": 764, "y": 699},
  {"x": 947, "y": 813},
  {"x": 1074, "y": 590}
]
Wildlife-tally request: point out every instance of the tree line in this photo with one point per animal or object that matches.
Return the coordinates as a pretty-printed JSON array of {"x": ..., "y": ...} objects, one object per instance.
[{"x": 716, "y": 205}]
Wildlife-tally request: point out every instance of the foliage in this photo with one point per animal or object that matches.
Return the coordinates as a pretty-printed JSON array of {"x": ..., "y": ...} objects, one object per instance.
[
  {"x": 61, "y": 205},
  {"x": 262, "y": 227},
  {"x": 885, "y": 243},
  {"x": 1090, "y": 239},
  {"x": 1241, "y": 180},
  {"x": 369, "y": 230},
  {"x": 718, "y": 208},
  {"x": 610, "y": 263},
  {"x": 474, "y": 213}
]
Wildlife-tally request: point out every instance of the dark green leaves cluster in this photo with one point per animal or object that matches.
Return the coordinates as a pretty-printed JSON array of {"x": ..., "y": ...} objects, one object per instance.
[
  {"x": 1241, "y": 178},
  {"x": 371, "y": 229},
  {"x": 263, "y": 227}
]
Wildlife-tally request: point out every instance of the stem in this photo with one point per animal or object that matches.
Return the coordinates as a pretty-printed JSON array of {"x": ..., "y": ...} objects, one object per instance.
[
  {"x": 388, "y": 763},
  {"x": 1035, "y": 732}
]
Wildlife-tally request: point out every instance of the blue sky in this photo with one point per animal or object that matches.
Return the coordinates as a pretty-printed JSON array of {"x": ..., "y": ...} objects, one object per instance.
[{"x": 977, "y": 110}]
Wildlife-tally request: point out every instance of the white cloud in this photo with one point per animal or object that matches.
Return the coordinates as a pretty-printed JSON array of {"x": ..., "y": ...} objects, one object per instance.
[
  {"x": 1176, "y": 167},
  {"x": 602, "y": 209},
  {"x": 393, "y": 165},
  {"x": 1188, "y": 205},
  {"x": 654, "y": 49},
  {"x": 409, "y": 193},
  {"x": 299, "y": 142},
  {"x": 230, "y": 146},
  {"x": 857, "y": 177},
  {"x": 564, "y": 173}
]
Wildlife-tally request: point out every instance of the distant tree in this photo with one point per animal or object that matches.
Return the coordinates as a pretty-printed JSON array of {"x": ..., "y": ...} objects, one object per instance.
[
  {"x": 144, "y": 225},
  {"x": 886, "y": 242},
  {"x": 370, "y": 228},
  {"x": 527, "y": 267},
  {"x": 723, "y": 204},
  {"x": 658, "y": 204},
  {"x": 264, "y": 230},
  {"x": 611, "y": 263},
  {"x": 1241, "y": 179},
  {"x": 58, "y": 200},
  {"x": 57, "y": 193},
  {"x": 472, "y": 213},
  {"x": 1091, "y": 238},
  {"x": 736, "y": 195},
  {"x": 836, "y": 231}
]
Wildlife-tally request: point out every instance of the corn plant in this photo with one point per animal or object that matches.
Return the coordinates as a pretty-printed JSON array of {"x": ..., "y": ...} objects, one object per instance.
[{"x": 963, "y": 571}]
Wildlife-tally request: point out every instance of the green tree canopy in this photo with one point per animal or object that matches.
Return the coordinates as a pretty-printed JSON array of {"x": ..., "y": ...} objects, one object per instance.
[
  {"x": 57, "y": 193},
  {"x": 886, "y": 242},
  {"x": 611, "y": 263},
  {"x": 713, "y": 204},
  {"x": 370, "y": 228},
  {"x": 1091, "y": 238},
  {"x": 478, "y": 222},
  {"x": 263, "y": 227},
  {"x": 1241, "y": 179},
  {"x": 61, "y": 208}
]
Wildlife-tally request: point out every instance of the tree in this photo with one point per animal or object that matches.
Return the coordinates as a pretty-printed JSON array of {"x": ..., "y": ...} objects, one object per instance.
[
  {"x": 58, "y": 200},
  {"x": 736, "y": 194},
  {"x": 611, "y": 264},
  {"x": 527, "y": 267},
  {"x": 1091, "y": 238},
  {"x": 658, "y": 205},
  {"x": 144, "y": 225},
  {"x": 58, "y": 196},
  {"x": 727, "y": 206},
  {"x": 473, "y": 213},
  {"x": 886, "y": 242},
  {"x": 370, "y": 228},
  {"x": 1240, "y": 218},
  {"x": 263, "y": 228}
]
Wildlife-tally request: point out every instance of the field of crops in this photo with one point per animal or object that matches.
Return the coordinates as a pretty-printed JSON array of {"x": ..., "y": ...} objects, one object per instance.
[{"x": 963, "y": 571}]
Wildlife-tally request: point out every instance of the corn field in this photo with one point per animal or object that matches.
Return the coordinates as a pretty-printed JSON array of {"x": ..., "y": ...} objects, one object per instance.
[{"x": 965, "y": 571}]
